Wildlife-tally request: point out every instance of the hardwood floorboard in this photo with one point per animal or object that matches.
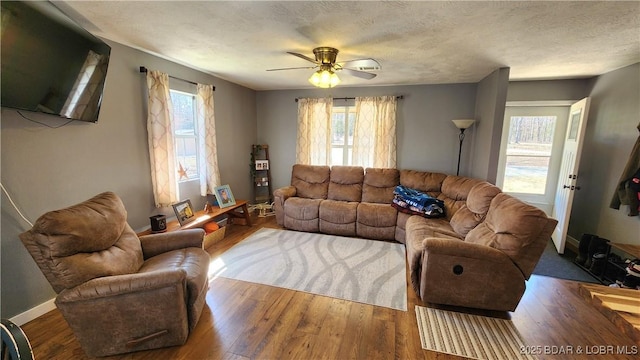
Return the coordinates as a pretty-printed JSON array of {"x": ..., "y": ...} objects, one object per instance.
[{"x": 244, "y": 321}]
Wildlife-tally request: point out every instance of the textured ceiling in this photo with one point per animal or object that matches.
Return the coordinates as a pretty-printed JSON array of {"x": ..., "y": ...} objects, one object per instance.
[{"x": 415, "y": 42}]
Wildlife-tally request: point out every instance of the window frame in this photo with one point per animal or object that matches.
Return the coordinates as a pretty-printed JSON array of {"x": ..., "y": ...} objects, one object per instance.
[
  {"x": 195, "y": 136},
  {"x": 347, "y": 149}
]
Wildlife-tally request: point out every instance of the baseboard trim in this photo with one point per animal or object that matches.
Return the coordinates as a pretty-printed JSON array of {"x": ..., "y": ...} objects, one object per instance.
[
  {"x": 34, "y": 312},
  {"x": 572, "y": 244}
]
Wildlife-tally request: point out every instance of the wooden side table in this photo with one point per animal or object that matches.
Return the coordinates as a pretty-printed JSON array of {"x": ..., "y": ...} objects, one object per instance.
[
  {"x": 202, "y": 217},
  {"x": 627, "y": 248}
]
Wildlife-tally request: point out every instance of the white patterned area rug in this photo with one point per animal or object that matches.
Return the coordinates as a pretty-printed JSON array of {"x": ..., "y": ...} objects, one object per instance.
[
  {"x": 471, "y": 336},
  {"x": 366, "y": 271}
]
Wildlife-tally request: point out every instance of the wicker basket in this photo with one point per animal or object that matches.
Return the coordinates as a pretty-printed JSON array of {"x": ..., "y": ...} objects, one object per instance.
[{"x": 213, "y": 237}]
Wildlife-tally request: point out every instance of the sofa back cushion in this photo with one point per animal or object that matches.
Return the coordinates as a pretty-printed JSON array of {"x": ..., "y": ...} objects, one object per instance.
[
  {"x": 454, "y": 193},
  {"x": 85, "y": 241},
  {"x": 520, "y": 230},
  {"x": 345, "y": 183},
  {"x": 475, "y": 209},
  {"x": 310, "y": 181},
  {"x": 427, "y": 182},
  {"x": 379, "y": 184}
]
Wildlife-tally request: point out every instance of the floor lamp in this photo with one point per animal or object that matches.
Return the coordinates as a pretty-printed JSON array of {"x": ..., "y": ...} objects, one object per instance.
[{"x": 462, "y": 124}]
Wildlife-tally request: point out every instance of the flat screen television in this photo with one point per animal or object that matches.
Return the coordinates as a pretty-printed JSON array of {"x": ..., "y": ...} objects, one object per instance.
[{"x": 49, "y": 63}]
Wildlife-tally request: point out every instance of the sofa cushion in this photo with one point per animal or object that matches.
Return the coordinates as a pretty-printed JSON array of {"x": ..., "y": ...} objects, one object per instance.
[
  {"x": 345, "y": 183},
  {"x": 376, "y": 221},
  {"x": 475, "y": 209},
  {"x": 401, "y": 224},
  {"x": 439, "y": 227},
  {"x": 84, "y": 241},
  {"x": 338, "y": 217},
  {"x": 302, "y": 214},
  {"x": 378, "y": 185},
  {"x": 310, "y": 181},
  {"x": 518, "y": 229},
  {"x": 454, "y": 193},
  {"x": 428, "y": 182}
]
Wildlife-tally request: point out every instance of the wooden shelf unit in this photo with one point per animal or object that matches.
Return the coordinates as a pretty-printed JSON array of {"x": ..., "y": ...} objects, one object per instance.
[
  {"x": 201, "y": 217},
  {"x": 261, "y": 174}
]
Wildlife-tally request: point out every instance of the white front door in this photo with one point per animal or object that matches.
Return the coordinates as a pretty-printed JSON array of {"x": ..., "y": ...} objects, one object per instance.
[
  {"x": 568, "y": 176},
  {"x": 531, "y": 152}
]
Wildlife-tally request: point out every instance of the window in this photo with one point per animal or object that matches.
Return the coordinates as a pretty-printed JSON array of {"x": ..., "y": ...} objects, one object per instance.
[
  {"x": 528, "y": 154},
  {"x": 186, "y": 134},
  {"x": 343, "y": 119}
]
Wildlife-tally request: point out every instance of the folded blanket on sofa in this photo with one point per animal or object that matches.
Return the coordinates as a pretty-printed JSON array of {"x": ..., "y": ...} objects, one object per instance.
[{"x": 416, "y": 202}]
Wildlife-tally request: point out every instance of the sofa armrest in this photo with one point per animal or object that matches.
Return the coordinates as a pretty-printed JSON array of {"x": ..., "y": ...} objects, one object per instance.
[
  {"x": 470, "y": 275},
  {"x": 440, "y": 246},
  {"x": 155, "y": 244},
  {"x": 285, "y": 192},
  {"x": 116, "y": 285},
  {"x": 279, "y": 197}
]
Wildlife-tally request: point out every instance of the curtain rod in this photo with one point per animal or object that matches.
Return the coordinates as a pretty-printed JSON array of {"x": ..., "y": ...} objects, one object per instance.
[
  {"x": 144, "y": 70},
  {"x": 399, "y": 97}
]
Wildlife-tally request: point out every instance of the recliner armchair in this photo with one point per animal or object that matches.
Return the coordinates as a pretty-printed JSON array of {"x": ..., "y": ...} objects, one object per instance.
[{"x": 120, "y": 293}]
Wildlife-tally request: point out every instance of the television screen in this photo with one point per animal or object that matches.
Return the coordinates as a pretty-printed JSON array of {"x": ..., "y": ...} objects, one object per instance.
[{"x": 49, "y": 63}]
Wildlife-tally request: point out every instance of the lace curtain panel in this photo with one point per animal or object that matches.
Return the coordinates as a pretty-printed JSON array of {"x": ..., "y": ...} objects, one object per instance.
[
  {"x": 209, "y": 171},
  {"x": 313, "y": 145},
  {"x": 161, "y": 144},
  {"x": 374, "y": 138}
]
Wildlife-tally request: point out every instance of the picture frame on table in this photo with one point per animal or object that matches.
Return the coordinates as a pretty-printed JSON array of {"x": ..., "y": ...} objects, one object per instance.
[
  {"x": 224, "y": 196},
  {"x": 184, "y": 212}
]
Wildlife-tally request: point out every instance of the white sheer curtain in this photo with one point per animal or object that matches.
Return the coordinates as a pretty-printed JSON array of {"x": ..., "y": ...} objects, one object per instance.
[
  {"x": 374, "y": 137},
  {"x": 208, "y": 153},
  {"x": 313, "y": 145},
  {"x": 161, "y": 145}
]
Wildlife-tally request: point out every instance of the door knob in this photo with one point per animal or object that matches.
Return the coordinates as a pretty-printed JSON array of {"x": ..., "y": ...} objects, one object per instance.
[{"x": 566, "y": 186}]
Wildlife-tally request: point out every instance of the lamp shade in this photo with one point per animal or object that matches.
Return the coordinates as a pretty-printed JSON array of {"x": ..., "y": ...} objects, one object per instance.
[{"x": 463, "y": 123}]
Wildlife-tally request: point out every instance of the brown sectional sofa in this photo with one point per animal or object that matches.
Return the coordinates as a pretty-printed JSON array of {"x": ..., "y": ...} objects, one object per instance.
[{"x": 479, "y": 255}]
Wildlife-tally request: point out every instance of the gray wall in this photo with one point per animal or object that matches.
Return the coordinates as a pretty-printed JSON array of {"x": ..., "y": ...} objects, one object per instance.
[
  {"x": 489, "y": 114},
  {"x": 427, "y": 139},
  {"x": 609, "y": 138},
  {"x": 46, "y": 169},
  {"x": 548, "y": 90}
]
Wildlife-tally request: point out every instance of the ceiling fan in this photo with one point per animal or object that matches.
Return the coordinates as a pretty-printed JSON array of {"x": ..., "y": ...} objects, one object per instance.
[{"x": 325, "y": 62}]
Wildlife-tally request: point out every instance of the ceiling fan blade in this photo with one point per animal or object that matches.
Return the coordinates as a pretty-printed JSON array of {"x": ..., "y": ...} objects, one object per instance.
[
  {"x": 293, "y": 68},
  {"x": 303, "y": 57},
  {"x": 362, "y": 64},
  {"x": 357, "y": 73}
]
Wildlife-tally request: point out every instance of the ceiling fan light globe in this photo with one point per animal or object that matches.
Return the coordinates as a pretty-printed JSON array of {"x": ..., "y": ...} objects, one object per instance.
[
  {"x": 335, "y": 80},
  {"x": 324, "y": 79}
]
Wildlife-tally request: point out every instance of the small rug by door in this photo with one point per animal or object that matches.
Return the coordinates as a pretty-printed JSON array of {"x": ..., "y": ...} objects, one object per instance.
[
  {"x": 366, "y": 271},
  {"x": 471, "y": 336},
  {"x": 561, "y": 266}
]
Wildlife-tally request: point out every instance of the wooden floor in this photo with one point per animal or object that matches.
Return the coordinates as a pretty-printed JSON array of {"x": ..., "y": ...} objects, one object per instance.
[{"x": 249, "y": 321}]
